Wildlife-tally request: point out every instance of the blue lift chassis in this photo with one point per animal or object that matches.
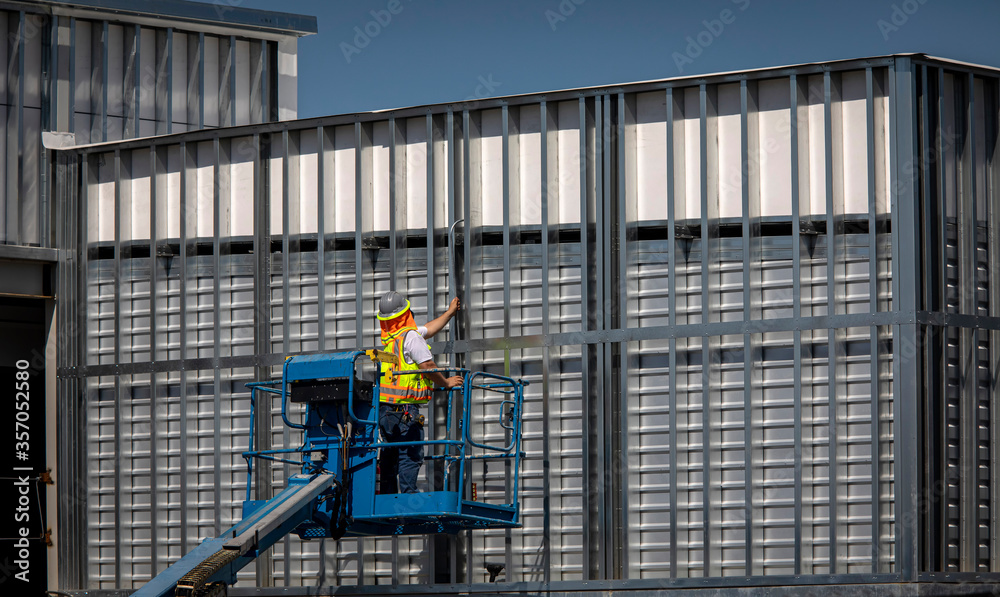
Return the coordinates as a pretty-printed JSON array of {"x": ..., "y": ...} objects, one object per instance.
[{"x": 335, "y": 493}]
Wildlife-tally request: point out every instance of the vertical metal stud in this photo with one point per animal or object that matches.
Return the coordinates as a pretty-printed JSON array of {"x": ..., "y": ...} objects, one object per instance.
[
  {"x": 362, "y": 181},
  {"x": 431, "y": 302},
  {"x": 794, "y": 93},
  {"x": 394, "y": 263},
  {"x": 748, "y": 139},
  {"x": 286, "y": 222},
  {"x": 286, "y": 274},
  {"x": 15, "y": 179},
  {"x": 505, "y": 123},
  {"x": 873, "y": 307},
  {"x": 88, "y": 176},
  {"x": 546, "y": 364},
  {"x": 49, "y": 122},
  {"x": 321, "y": 236},
  {"x": 182, "y": 315},
  {"x": 201, "y": 80},
  {"x": 672, "y": 321},
  {"x": 163, "y": 86},
  {"x": 120, "y": 391},
  {"x": 154, "y": 356},
  {"x": 589, "y": 563},
  {"x": 71, "y": 94},
  {"x": 968, "y": 361},
  {"x": 626, "y": 287},
  {"x": 50, "y": 79},
  {"x": 992, "y": 149},
  {"x": 471, "y": 228},
  {"x": 170, "y": 80},
  {"x": 833, "y": 343},
  {"x": 217, "y": 330},
  {"x": 432, "y": 552},
  {"x": 906, "y": 373},
  {"x": 257, "y": 82},
  {"x": 105, "y": 82},
  {"x": 942, "y": 344},
  {"x": 606, "y": 464},
  {"x": 132, "y": 99},
  {"x": 706, "y": 353},
  {"x": 231, "y": 65},
  {"x": 454, "y": 543},
  {"x": 262, "y": 323},
  {"x": 930, "y": 554}
]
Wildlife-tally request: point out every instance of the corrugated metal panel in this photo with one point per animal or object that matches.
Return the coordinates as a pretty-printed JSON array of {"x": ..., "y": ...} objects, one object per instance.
[
  {"x": 111, "y": 80},
  {"x": 702, "y": 280}
]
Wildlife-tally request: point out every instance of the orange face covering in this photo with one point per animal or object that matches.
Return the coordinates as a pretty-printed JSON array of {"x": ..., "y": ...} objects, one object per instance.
[{"x": 393, "y": 328}]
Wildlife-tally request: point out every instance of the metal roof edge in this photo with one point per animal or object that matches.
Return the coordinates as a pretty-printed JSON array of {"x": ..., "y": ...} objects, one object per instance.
[
  {"x": 958, "y": 63},
  {"x": 715, "y": 77},
  {"x": 217, "y": 12},
  {"x": 496, "y": 102}
]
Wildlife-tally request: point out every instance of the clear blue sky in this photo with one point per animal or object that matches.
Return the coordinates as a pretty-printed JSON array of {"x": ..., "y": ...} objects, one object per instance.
[{"x": 450, "y": 50}]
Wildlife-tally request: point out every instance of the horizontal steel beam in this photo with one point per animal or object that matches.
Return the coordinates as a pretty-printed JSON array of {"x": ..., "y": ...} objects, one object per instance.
[
  {"x": 22, "y": 253},
  {"x": 788, "y": 324},
  {"x": 880, "y": 585}
]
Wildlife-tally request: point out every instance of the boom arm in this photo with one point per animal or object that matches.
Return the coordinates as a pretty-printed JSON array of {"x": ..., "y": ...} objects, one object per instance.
[{"x": 219, "y": 559}]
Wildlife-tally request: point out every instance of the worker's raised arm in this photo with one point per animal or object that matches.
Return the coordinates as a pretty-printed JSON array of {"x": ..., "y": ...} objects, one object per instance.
[
  {"x": 435, "y": 325},
  {"x": 440, "y": 380}
]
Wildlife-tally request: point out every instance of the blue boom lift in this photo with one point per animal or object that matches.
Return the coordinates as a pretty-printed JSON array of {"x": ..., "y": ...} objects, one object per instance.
[{"x": 335, "y": 494}]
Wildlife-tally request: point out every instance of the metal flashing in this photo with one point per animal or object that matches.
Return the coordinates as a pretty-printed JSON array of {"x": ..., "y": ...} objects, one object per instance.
[{"x": 175, "y": 12}]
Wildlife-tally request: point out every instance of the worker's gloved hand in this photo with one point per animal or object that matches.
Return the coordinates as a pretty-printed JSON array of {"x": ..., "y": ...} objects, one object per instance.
[{"x": 454, "y": 381}]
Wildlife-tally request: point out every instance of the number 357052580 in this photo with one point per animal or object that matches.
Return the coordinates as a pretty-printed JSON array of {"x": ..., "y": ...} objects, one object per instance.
[{"x": 22, "y": 385}]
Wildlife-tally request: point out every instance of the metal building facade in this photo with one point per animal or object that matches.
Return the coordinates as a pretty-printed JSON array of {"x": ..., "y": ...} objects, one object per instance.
[
  {"x": 758, "y": 311},
  {"x": 105, "y": 70}
]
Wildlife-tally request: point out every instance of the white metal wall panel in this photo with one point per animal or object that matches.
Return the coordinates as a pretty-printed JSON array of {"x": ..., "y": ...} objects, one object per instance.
[
  {"x": 344, "y": 160},
  {"x": 30, "y": 191},
  {"x": 7, "y": 19},
  {"x": 782, "y": 432},
  {"x": 179, "y": 76},
  {"x": 774, "y": 423},
  {"x": 725, "y": 170},
  {"x": 148, "y": 83},
  {"x": 529, "y": 142},
  {"x": 774, "y": 147},
  {"x": 564, "y": 424},
  {"x": 134, "y": 311},
  {"x": 287, "y": 77},
  {"x": 102, "y": 527},
  {"x": 415, "y": 172},
  {"x": 567, "y": 172},
  {"x": 116, "y": 49},
  {"x": 241, "y": 176},
  {"x": 651, "y": 156},
  {"x": 491, "y": 167},
  {"x": 687, "y": 114},
  {"x": 813, "y": 131},
  {"x": 32, "y": 75},
  {"x": 243, "y": 82},
  {"x": 212, "y": 68},
  {"x": 381, "y": 181},
  {"x": 650, "y": 442},
  {"x": 137, "y": 192}
]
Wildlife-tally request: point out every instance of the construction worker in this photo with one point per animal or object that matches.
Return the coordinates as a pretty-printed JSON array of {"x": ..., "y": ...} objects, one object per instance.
[{"x": 401, "y": 395}]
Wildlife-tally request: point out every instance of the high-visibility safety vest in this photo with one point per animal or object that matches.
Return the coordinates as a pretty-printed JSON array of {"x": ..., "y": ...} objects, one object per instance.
[{"x": 401, "y": 389}]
